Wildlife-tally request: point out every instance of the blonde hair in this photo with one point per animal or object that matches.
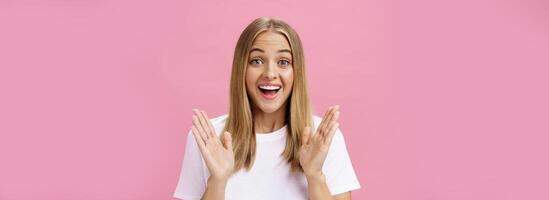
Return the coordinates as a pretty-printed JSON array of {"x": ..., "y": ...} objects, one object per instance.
[{"x": 298, "y": 112}]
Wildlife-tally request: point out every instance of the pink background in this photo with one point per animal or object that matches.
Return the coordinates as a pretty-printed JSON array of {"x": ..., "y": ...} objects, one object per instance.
[{"x": 440, "y": 99}]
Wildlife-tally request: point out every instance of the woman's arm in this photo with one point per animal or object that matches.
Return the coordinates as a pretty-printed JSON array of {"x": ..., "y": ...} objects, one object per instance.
[
  {"x": 219, "y": 156},
  {"x": 215, "y": 189},
  {"x": 318, "y": 189},
  {"x": 313, "y": 152}
]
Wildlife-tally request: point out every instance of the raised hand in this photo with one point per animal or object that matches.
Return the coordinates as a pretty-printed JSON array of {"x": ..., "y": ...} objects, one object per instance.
[
  {"x": 219, "y": 156},
  {"x": 314, "y": 149}
]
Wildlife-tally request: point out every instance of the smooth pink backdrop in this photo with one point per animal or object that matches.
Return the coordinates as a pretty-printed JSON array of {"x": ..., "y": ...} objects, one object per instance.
[{"x": 442, "y": 100}]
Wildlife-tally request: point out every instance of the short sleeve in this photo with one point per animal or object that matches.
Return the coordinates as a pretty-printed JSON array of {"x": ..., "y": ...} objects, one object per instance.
[
  {"x": 192, "y": 183},
  {"x": 338, "y": 169}
]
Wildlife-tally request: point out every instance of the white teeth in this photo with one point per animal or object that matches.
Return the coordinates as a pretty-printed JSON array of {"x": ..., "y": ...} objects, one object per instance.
[{"x": 269, "y": 87}]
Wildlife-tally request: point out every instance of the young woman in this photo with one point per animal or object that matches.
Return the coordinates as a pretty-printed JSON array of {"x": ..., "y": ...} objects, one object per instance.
[{"x": 265, "y": 147}]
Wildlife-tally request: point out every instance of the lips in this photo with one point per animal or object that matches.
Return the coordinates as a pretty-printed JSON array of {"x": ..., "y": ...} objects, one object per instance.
[{"x": 269, "y": 91}]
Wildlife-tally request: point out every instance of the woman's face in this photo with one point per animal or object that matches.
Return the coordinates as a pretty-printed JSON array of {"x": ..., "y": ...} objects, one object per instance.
[{"x": 269, "y": 73}]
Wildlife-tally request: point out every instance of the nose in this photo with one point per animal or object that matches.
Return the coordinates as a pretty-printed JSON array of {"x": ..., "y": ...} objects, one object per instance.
[{"x": 270, "y": 72}]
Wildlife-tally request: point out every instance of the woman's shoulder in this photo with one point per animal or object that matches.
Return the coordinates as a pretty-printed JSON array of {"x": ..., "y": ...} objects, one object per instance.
[
  {"x": 218, "y": 123},
  {"x": 219, "y": 119},
  {"x": 338, "y": 136},
  {"x": 316, "y": 121}
]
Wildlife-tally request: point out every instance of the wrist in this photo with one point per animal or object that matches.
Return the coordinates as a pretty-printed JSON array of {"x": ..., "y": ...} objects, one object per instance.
[
  {"x": 316, "y": 176},
  {"x": 213, "y": 181}
]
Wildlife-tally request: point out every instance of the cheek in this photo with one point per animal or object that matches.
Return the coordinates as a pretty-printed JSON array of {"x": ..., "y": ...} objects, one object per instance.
[
  {"x": 250, "y": 79},
  {"x": 288, "y": 79}
]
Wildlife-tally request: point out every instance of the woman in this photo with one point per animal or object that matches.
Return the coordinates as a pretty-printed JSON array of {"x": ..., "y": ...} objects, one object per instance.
[{"x": 265, "y": 147}]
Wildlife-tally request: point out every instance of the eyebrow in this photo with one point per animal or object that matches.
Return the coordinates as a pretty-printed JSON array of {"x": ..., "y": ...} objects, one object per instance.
[
  {"x": 262, "y": 51},
  {"x": 284, "y": 50}
]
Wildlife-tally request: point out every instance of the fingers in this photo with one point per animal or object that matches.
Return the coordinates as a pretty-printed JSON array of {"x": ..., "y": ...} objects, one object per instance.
[
  {"x": 209, "y": 124},
  {"x": 323, "y": 122},
  {"x": 227, "y": 141},
  {"x": 203, "y": 123},
  {"x": 200, "y": 140},
  {"x": 306, "y": 136},
  {"x": 332, "y": 117},
  {"x": 203, "y": 128},
  {"x": 331, "y": 128},
  {"x": 330, "y": 136},
  {"x": 328, "y": 120},
  {"x": 199, "y": 137},
  {"x": 199, "y": 129}
]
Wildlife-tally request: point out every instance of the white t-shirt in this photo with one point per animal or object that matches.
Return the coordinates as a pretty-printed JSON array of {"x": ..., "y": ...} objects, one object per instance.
[{"x": 270, "y": 176}]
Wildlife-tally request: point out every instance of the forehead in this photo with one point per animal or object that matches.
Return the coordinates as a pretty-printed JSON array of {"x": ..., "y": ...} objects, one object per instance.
[{"x": 271, "y": 39}]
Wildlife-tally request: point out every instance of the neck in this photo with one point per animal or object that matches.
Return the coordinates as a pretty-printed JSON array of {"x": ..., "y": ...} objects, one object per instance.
[{"x": 269, "y": 122}]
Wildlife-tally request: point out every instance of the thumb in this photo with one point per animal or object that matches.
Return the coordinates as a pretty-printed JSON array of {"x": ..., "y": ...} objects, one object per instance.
[
  {"x": 227, "y": 141},
  {"x": 306, "y": 136}
]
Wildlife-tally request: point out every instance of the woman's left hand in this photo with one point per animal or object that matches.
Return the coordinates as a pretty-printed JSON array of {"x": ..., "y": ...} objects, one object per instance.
[{"x": 314, "y": 149}]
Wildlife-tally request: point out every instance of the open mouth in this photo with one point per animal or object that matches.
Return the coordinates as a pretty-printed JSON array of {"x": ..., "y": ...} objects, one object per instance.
[{"x": 269, "y": 91}]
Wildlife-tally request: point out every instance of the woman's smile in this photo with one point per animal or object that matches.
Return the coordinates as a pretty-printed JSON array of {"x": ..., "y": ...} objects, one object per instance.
[{"x": 269, "y": 91}]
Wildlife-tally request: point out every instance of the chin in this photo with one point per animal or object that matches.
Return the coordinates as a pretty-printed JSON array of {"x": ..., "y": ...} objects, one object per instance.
[{"x": 268, "y": 109}]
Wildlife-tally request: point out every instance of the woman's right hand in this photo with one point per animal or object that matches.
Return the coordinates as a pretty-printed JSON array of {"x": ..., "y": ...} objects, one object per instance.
[{"x": 218, "y": 155}]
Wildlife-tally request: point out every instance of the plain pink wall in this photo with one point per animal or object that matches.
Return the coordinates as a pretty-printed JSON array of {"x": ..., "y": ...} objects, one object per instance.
[{"x": 444, "y": 100}]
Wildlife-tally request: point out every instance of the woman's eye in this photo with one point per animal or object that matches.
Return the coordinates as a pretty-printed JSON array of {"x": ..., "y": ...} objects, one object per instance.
[
  {"x": 284, "y": 62},
  {"x": 256, "y": 62}
]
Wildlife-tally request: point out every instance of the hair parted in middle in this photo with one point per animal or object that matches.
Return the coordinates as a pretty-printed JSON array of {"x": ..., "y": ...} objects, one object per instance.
[{"x": 298, "y": 112}]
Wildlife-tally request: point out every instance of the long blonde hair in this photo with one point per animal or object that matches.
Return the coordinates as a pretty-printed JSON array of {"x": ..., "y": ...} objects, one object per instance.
[{"x": 298, "y": 112}]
